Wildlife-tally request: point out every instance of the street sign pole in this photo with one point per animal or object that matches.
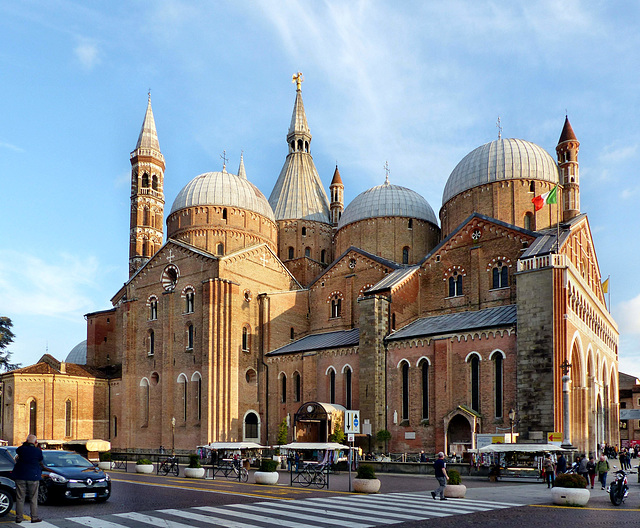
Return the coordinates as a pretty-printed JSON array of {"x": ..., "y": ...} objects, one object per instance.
[{"x": 351, "y": 427}]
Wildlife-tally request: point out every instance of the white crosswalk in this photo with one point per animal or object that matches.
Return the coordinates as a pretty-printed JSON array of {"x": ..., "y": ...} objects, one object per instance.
[{"x": 348, "y": 511}]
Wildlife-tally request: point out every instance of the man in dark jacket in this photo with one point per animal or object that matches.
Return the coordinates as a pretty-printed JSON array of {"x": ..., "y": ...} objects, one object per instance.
[
  {"x": 440, "y": 469},
  {"x": 27, "y": 474}
]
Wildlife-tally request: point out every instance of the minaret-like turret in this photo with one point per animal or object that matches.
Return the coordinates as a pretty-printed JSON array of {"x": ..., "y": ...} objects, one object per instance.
[
  {"x": 336, "y": 190},
  {"x": 567, "y": 150},
  {"x": 147, "y": 196}
]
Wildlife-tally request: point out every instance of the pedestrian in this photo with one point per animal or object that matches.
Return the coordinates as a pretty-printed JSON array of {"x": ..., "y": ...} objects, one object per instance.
[
  {"x": 440, "y": 468},
  {"x": 423, "y": 456},
  {"x": 561, "y": 466},
  {"x": 27, "y": 474},
  {"x": 582, "y": 467},
  {"x": 602, "y": 468},
  {"x": 591, "y": 470},
  {"x": 549, "y": 470}
]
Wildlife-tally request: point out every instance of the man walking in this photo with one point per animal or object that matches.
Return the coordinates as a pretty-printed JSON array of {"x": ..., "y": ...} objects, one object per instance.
[
  {"x": 26, "y": 474},
  {"x": 440, "y": 467}
]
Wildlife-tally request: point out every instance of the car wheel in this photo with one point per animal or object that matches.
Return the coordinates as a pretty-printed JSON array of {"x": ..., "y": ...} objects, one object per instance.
[
  {"x": 6, "y": 502},
  {"x": 43, "y": 493}
]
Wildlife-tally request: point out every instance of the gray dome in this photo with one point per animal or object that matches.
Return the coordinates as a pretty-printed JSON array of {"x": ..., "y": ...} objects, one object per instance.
[
  {"x": 78, "y": 354},
  {"x": 223, "y": 188},
  {"x": 387, "y": 200},
  {"x": 503, "y": 159}
]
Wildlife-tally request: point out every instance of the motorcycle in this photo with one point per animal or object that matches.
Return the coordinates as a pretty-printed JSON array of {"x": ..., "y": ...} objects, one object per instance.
[{"x": 619, "y": 488}]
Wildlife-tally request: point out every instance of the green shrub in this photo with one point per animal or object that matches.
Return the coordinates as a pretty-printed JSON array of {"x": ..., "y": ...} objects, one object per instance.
[
  {"x": 570, "y": 480},
  {"x": 194, "y": 461},
  {"x": 454, "y": 477},
  {"x": 366, "y": 471},
  {"x": 143, "y": 462},
  {"x": 268, "y": 465},
  {"x": 105, "y": 456}
]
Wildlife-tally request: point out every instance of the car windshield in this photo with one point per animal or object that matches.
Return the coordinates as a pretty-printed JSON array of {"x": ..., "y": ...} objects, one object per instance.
[{"x": 64, "y": 459}]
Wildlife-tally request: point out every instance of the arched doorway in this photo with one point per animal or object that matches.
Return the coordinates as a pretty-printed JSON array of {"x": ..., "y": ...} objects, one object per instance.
[
  {"x": 459, "y": 435},
  {"x": 251, "y": 427}
]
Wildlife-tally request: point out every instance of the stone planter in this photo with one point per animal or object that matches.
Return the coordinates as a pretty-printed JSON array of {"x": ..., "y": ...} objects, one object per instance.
[
  {"x": 455, "y": 491},
  {"x": 144, "y": 468},
  {"x": 570, "y": 496},
  {"x": 366, "y": 485},
  {"x": 266, "y": 477},
  {"x": 104, "y": 465},
  {"x": 190, "y": 472}
]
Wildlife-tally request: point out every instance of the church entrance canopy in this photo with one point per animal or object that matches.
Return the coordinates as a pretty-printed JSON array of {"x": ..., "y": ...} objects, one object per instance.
[{"x": 315, "y": 421}]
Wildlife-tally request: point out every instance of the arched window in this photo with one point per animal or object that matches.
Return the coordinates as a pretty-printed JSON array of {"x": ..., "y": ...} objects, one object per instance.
[
  {"x": 33, "y": 417},
  {"x": 290, "y": 252},
  {"x": 115, "y": 426},
  {"x": 532, "y": 187},
  {"x": 307, "y": 252},
  {"x": 500, "y": 275},
  {"x": 145, "y": 180},
  {"x": 410, "y": 223},
  {"x": 224, "y": 213},
  {"x": 300, "y": 144},
  {"x": 144, "y": 400},
  {"x": 528, "y": 221},
  {"x": 67, "y": 418},
  {"x": 498, "y": 381},
  {"x": 251, "y": 426},
  {"x": 347, "y": 388},
  {"x": 283, "y": 388},
  {"x": 332, "y": 386},
  {"x": 190, "y": 334},
  {"x": 336, "y": 306},
  {"x": 153, "y": 309},
  {"x": 405, "y": 255},
  {"x": 145, "y": 216},
  {"x": 424, "y": 370},
  {"x": 152, "y": 343},
  {"x": 245, "y": 339},
  {"x": 154, "y": 182},
  {"x": 405, "y": 390},
  {"x": 304, "y": 231},
  {"x": 323, "y": 255},
  {"x": 196, "y": 380},
  {"x": 455, "y": 284},
  {"x": 393, "y": 321},
  {"x": 474, "y": 363},
  {"x": 292, "y": 333},
  {"x": 220, "y": 249},
  {"x": 189, "y": 300},
  {"x": 297, "y": 387}
]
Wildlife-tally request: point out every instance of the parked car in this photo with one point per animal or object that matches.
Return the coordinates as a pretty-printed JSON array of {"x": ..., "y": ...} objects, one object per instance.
[
  {"x": 7, "y": 485},
  {"x": 69, "y": 475}
]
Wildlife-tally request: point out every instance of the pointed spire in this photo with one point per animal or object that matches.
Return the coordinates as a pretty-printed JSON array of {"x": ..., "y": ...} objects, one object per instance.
[
  {"x": 337, "y": 180},
  {"x": 241, "y": 171},
  {"x": 299, "y": 125},
  {"x": 567, "y": 131},
  {"x": 386, "y": 169},
  {"x": 148, "y": 137}
]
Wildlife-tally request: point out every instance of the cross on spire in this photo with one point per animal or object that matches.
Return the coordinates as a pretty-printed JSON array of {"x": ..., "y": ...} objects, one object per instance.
[
  {"x": 386, "y": 169},
  {"x": 499, "y": 126},
  {"x": 224, "y": 160}
]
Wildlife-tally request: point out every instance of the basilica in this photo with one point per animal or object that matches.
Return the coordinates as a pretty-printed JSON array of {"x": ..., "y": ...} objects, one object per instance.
[{"x": 242, "y": 313}]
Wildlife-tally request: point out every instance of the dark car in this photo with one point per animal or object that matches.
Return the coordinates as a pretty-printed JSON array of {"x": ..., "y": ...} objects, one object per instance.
[
  {"x": 69, "y": 475},
  {"x": 7, "y": 485}
]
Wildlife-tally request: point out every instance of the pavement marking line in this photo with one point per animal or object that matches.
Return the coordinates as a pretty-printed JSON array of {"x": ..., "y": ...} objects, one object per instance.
[
  {"x": 367, "y": 510},
  {"x": 273, "y": 509},
  {"x": 168, "y": 523},
  {"x": 217, "y": 521},
  {"x": 584, "y": 508},
  {"x": 227, "y": 510},
  {"x": 94, "y": 522},
  {"x": 204, "y": 490},
  {"x": 479, "y": 501},
  {"x": 295, "y": 506},
  {"x": 412, "y": 505}
]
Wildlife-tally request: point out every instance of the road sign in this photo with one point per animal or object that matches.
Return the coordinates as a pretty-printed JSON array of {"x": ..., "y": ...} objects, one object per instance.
[{"x": 351, "y": 422}]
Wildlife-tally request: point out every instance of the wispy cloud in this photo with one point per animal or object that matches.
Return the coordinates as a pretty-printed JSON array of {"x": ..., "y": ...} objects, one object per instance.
[
  {"x": 11, "y": 146},
  {"x": 87, "y": 54},
  {"x": 616, "y": 154},
  {"x": 627, "y": 314}
]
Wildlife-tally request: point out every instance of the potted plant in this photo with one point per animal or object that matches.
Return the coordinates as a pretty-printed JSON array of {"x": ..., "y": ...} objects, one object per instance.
[
  {"x": 366, "y": 481},
  {"x": 267, "y": 473},
  {"x": 105, "y": 460},
  {"x": 194, "y": 469},
  {"x": 144, "y": 465},
  {"x": 570, "y": 489},
  {"x": 455, "y": 488}
]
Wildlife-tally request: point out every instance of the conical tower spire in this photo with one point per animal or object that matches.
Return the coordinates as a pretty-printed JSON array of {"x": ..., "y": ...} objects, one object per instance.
[
  {"x": 148, "y": 138},
  {"x": 567, "y": 151},
  {"x": 241, "y": 171}
]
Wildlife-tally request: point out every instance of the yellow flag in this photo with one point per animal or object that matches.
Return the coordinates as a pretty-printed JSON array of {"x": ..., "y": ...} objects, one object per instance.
[{"x": 605, "y": 286}]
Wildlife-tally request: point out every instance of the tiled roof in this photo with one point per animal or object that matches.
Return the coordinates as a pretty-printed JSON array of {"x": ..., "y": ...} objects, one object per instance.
[
  {"x": 457, "y": 322},
  {"x": 46, "y": 366},
  {"x": 341, "y": 338},
  {"x": 395, "y": 277}
]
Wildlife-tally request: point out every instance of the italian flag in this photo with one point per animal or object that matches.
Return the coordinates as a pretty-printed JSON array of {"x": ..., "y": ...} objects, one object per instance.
[{"x": 550, "y": 197}]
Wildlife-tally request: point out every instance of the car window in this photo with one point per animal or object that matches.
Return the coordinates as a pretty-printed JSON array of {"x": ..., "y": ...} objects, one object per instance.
[
  {"x": 6, "y": 460},
  {"x": 64, "y": 459}
]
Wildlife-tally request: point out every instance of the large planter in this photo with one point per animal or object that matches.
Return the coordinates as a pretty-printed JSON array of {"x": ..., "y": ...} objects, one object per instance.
[
  {"x": 194, "y": 472},
  {"x": 570, "y": 496},
  {"x": 366, "y": 485},
  {"x": 144, "y": 468},
  {"x": 455, "y": 491},
  {"x": 104, "y": 465},
  {"x": 266, "y": 477}
]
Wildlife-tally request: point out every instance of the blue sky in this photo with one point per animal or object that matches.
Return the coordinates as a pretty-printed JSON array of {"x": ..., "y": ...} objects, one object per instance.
[{"x": 417, "y": 84}]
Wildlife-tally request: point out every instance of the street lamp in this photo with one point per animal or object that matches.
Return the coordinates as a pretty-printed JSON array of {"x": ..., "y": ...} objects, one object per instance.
[
  {"x": 512, "y": 419},
  {"x": 173, "y": 436}
]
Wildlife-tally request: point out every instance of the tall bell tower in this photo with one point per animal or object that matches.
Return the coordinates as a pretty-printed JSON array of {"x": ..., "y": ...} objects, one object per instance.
[
  {"x": 147, "y": 196},
  {"x": 567, "y": 150}
]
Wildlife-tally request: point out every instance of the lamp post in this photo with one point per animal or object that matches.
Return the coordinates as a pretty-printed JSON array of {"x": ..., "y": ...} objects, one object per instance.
[
  {"x": 512, "y": 419},
  {"x": 173, "y": 436},
  {"x": 566, "y": 436}
]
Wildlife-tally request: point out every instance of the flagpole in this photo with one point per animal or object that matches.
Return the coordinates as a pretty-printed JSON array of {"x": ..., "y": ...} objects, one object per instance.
[
  {"x": 558, "y": 219},
  {"x": 609, "y": 292}
]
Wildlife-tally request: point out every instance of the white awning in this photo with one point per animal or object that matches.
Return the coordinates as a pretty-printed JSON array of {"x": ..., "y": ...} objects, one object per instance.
[
  {"x": 234, "y": 445},
  {"x": 520, "y": 448},
  {"x": 315, "y": 446}
]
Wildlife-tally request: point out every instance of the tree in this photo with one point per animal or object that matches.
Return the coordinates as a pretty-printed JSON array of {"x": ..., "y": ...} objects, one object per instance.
[
  {"x": 338, "y": 432},
  {"x": 383, "y": 436},
  {"x": 283, "y": 433},
  {"x": 6, "y": 338}
]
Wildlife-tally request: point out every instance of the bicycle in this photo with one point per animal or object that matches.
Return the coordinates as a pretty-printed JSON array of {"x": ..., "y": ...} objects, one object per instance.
[
  {"x": 312, "y": 474},
  {"x": 169, "y": 465},
  {"x": 233, "y": 470}
]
